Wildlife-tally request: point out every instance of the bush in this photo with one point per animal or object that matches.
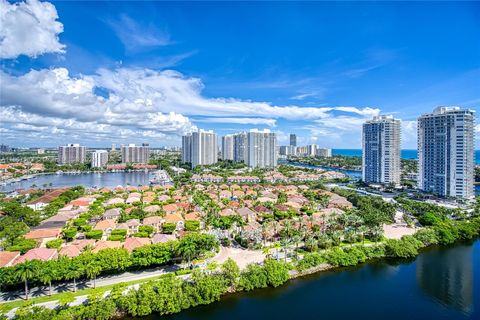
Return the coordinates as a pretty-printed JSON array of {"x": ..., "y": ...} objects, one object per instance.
[
  {"x": 169, "y": 227},
  {"x": 86, "y": 228},
  {"x": 407, "y": 247},
  {"x": 94, "y": 234},
  {"x": 22, "y": 245},
  {"x": 54, "y": 244},
  {"x": 141, "y": 234},
  {"x": 119, "y": 232},
  {"x": 338, "y": 257},
  {"x": 310, "y": 260},
  {"x": 427, "y": 236},
  {"x": 446, "y": 232},
  {"x": 277, "y": 272},
  {"x": 253, "y": 277},
  {"x": 192, "y": 225},
  {"x": 70, "y": 233},
  {"x": 145, "y": 229},
  {"x": 116, "y": 237}
]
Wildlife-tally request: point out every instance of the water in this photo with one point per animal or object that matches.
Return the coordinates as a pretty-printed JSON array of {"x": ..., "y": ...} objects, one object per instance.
[
  {"x": 442, "y": 283},
  {"x": 405, "y": 154},
  {"x": 104, "y": 179}
]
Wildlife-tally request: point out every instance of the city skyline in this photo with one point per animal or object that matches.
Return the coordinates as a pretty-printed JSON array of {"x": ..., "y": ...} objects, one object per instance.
[{"x": 142, "y": 73}]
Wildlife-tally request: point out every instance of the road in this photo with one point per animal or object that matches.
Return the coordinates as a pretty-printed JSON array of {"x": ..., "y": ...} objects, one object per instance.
[{"x": 101, "y": 282}]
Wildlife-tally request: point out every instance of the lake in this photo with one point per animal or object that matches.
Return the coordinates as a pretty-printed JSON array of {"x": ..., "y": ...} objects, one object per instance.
[
  {"x": 442, "y": 283},
  {"x": 98, "y": 179}
]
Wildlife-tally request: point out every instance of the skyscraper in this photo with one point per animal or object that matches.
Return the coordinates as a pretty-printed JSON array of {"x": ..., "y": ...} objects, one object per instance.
[
  {"x": 240, "y": 149},
  {"x": 71, "y": 153},
  {"x": 262, "y": 149},
  {"x": 135, "y": 154},
  {"x": 228, "y": 147},
  {"x": 446, "y": 152},
  {"x": 200, "y": 148},
  {"x": 293, "y": 139},
  {"x": 381, "y": 150},
  {"x": 325, "y": 153},
  {"x": 99, "y": 158}
]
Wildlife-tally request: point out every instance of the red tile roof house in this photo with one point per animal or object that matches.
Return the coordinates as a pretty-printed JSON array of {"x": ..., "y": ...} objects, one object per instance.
[
  {"x": 105, "y": 244},
  {"x": 42, "y": 254},
  {"x": 70, "y": 251},
  {"x": 154, "y": 221},
  {"x": 134, "y": 242},
  {"x": 170, "y": 208},
  {"x": 40, "y": 203},
  {"x": 113, "y": 214},
  {"x": 162, "y": 238},
  {"x": 176, "y": 219},
  {"x": 133, "y": 225},
  {"x": 82, "y": 202},
  {"x": 7, "y": 258},
  {"x": 43, "y": 235}
]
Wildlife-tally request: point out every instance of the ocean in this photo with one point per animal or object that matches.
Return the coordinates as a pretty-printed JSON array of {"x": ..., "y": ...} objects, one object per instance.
[{"x": 405, "y": 154}]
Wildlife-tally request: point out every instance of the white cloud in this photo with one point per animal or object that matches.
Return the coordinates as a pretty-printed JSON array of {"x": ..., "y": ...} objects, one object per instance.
[
  {"x": 29, "y": 28},
  {"x": 239, "y": 120},
  {"x": 136, "y": 37},
  {"x": 144, "y": 103}
]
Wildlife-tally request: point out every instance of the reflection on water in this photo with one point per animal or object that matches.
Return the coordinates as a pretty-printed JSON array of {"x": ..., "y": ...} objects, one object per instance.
[
  {"x": 99, "y": 179},
  {"x": 447, "y": 277}
]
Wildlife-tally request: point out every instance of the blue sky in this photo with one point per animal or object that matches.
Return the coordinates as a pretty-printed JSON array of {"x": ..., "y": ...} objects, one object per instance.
[{"x": 119, "y": 72}]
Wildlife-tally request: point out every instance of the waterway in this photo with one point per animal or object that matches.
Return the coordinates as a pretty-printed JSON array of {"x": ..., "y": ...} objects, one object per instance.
[
  {"x": 442, "y": 283},
  {"x": 96, "y": 179}
]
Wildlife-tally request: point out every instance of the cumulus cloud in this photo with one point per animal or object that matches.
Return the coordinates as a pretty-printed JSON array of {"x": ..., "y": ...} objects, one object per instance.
[
  {"x": 143, "y": 103},
  {"x": 29, "y": 28},
  {"x": 240, "y": 120}
]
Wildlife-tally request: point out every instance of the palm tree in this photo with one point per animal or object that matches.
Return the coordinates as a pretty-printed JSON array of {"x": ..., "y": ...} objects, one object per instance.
[
  {"x": 284, "y": 243},
  {"x": 46, "y": 275},
  {"x": 92, "y": 270},
  {"x": 74, "y": 272},
  {"x": 26, "y": 271},
  {"x": 187, "y": 249},
  {"x": 362, "y": 230},
  {"x": 310, "y": 243}
]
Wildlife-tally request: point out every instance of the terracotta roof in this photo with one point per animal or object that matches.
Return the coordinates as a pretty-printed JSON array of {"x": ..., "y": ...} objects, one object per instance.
[
  {"x": 48, "y": 197},
  {"x": 170, "y": 207},
  {"x": 152, "y": 209},
  {"x": 162, "y": 238},
  {"x": 7, "y": 258},
  {"x": 70, "y": 251},
  {"x": 43, "y": 233},
  {"x": 105, "y": 224},
  {"x": 43, "y": 254},
  {"x": 226, "y": 212},
  {"x": 133, "y": 223},
  {"x": 192, "y": 216},
  {"x": 173, "y": 218},
  {"x": 81, "y": 244},
  {"x": 134, "y": 242},
  {"x": 106, "y": 244},
  {"x": 152, "y": 220}
]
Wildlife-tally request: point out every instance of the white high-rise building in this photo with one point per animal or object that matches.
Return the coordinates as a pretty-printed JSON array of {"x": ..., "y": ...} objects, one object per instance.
[
  {"x": 381, "y": 150},
  {"x": 324, "y": 153},
  {"x": 228, "y": 142},
  {"x": 135, "y": 154},
  {"x": 240, "y": 148},
  {"x": 446, "y": 152},
  {"x": 262, "y": 149},
  {"x": 99, "y": 158},
  {"x": 312, "y": 150},
  {"x": 200, "y": 148},
  {"x": 288, "y": 150},
  {"x": 71, "y": 153}
]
